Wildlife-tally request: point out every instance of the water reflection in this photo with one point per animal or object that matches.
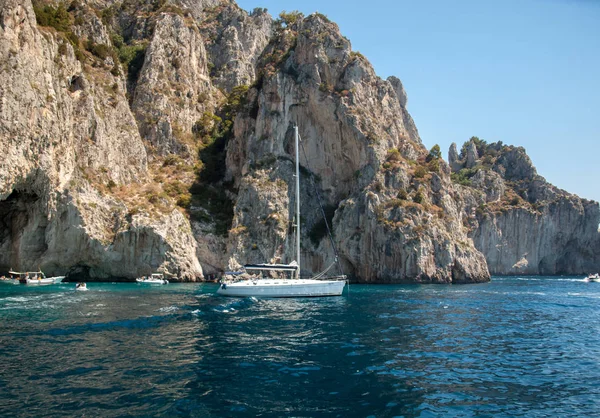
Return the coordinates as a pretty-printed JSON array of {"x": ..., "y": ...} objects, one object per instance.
[
  {"x": 512, "y": 347},
  {"x": 95, "y": 351}
]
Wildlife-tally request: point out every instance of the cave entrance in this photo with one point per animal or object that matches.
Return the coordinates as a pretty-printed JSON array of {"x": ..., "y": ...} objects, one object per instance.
[{"x": 22, "y": 231}]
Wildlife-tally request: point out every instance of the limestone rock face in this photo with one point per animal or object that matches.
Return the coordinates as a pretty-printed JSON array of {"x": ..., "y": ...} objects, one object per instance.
[
  {"x": 197, "y": 7},
  {"x": 523, "y": 224},
  {"x": 453, "y": 158},
  {"x": 352, "y": 123},
  {"x": 561, "y": 239},
  {"x": 158, "y": 136},
  {"x": 472, "y": 156},
  {"x": 490, "y": 183},
  {"x": 235, "y": 40},
  {"x": 261, "y": 221},
  {"x": 210, "y": 249},
  {"x": 89, "y": 25},
  {"x": 69, "y": 138},
  {"x": 400, "y": 92},
  {"x": 174, "y": 89}
]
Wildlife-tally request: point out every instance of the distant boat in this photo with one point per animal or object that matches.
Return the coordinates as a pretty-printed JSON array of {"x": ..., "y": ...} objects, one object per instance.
[
  {"x": 593, "y": 278},
  {"x": 81, "y": 287},
  {"x": 285, "y": 287},
  {"x": 35, "y": 278},
  {"x": 9, "y": 280},
  {"x": 155, "y": 278}
]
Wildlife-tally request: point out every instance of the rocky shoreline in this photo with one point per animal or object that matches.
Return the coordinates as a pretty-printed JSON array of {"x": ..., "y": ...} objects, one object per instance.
[{"x": 155, "y": 136}]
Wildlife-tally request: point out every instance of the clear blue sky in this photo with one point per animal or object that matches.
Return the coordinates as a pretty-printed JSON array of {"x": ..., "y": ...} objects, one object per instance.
[{"x": 525, "y": 72}]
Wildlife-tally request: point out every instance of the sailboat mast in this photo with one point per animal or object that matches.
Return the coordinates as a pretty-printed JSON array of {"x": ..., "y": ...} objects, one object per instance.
[{"x": 297, "y": 200}]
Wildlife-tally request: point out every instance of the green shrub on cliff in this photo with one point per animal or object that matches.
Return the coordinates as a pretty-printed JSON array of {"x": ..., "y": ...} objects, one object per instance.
[
  {"x": 357, "y": 55},
  {"x": 433, "y": 159},
  {"x": 209, "y": 190},
  {"x": 101, "y": 51},
  {"x": 434, "y": 154},
  {"x": 420, "y": 172},
  {"x": 418, "y": 198},
  {"x": 290, "y": 18},
  {"x": 463, "y": 177},
  {"x": 393, "y": 155},
  {"x": 132, "y": 57},
  {"x": 59, "y": 19},
  {"x": 235, "y": 101},
  {"x": 55, "y": 17}
]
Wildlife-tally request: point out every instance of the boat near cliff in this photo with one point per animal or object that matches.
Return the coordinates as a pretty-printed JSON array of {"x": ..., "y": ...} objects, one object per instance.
[
  {"x": 9, "y": 280},
  {"x": 283, "y": 280},
  {"x": 261, "y": 285},
  {"x": 35, "y": 278},
  {"x": 593, "y": 278},
  {"x": 154, "y": 278}
]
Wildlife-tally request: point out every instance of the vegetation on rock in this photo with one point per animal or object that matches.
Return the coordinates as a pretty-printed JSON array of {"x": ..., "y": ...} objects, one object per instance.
[{"x": 209, "y": 190}]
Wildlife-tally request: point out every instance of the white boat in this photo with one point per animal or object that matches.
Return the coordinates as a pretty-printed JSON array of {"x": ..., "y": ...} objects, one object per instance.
[
  {"x": 283, "y": 288},
  {"x": 593, "y": 278},
  {"x": 35, "y": 278},
  {"x": 154, "y": 278},
  {"x": 81, "y": 287},
  {"x": 291, "y": 285}
]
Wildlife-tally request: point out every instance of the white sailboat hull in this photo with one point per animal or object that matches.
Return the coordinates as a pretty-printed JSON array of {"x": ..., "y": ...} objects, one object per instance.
[{"x": 283, "y": 288}]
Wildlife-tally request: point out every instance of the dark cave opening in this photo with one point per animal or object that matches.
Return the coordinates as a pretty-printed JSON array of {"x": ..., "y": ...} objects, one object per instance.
[{"x": 22, "y": 231}]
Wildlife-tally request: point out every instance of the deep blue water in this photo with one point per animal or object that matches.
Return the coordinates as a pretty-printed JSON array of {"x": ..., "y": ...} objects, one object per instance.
[{"x": 513, "y": 347}]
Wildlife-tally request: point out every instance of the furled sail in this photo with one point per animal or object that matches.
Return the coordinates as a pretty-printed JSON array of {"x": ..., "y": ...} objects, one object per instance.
[{"x": 293, "y": 266}]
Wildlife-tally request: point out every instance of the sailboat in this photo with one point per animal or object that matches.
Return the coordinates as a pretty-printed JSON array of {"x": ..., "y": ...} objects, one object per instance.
[{"x": 291, "y": 286}]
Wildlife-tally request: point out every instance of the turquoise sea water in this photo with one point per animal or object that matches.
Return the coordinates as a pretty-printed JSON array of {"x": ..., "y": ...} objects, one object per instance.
[{"x": 513, "y": 347}]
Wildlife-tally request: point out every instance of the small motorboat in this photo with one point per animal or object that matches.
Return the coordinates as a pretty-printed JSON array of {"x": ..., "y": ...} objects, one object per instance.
[
  {"x": 593, "y": 278},
  {"x": 35, "y": 278},
  {"x": 81, "y": 287},
  {"x": 154, "y": 278}
]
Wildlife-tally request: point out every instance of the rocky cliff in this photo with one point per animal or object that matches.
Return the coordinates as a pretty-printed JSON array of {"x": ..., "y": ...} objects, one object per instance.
[
  {"x": 393, "y": 210},
  {"x": 157, "y": 136},
  {"x": 75, "y": 168},
  {"x": 521, "y": 223}
]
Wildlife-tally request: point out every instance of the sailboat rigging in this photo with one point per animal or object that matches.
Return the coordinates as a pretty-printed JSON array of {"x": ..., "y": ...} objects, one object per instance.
[{"x": 294, "y": 286}]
